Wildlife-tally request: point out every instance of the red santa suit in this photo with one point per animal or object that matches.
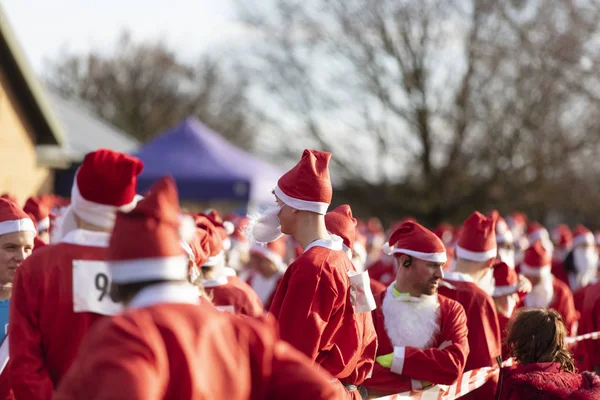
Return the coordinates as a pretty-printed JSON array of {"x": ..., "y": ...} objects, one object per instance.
[
  {"x": 477, "y": 243},
  {"x": 589, "y": 350},
  {"x": 63, "y": 289},
  {"x": 416, "y": 342},
  {"x": 314, "y": 294},
  {"x": 172, "y": 336},
  {"x": 506, "y": 288},
  {"x": 229, "y": 293},
  {"x": 549, "y": 292}
]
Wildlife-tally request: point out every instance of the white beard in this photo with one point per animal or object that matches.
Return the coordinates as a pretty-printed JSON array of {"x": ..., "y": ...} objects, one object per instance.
[
  {"x": 507, "y": 257},
  {"x": 410, "y": 321},
  {"x": 542, "y": 294}
]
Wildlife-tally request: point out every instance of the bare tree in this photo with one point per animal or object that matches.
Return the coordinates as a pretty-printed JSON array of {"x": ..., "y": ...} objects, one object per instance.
[
  {"x": 435, "y": 107},
  {"x": 143, "y": 88}
]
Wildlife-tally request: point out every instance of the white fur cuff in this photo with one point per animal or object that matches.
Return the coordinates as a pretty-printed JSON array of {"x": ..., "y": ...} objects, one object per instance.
[{"x": 398, "y": 361}]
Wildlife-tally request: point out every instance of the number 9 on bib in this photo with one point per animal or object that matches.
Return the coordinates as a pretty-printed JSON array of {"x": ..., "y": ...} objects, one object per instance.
[{"x": 91, "y": 288}]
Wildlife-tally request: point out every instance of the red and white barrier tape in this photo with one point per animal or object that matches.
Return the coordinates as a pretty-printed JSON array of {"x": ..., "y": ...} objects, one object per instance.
[
  {"x": 469, "y": 381},
  {"x": 593, "y": 336}
]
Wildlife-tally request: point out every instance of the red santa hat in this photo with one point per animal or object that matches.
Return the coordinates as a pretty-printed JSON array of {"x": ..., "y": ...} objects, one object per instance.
[
  {"x": 536, "y": 231},
  {"x": 445, "y": 232},
  {"x": 215, "y": 241},
  {"x": 582, "y": 235},
  {"x": 477, "y": 241},
  {"x": 13, "y": 219},
  {"x": 198, "y": 248},
  {"x": 307, "y": 186},
  {"x": 506, "y": 280},
  {"x": 562, "y": 237},
  {"x": 415, "y": 240},
  {"x": 273, "y": 251},
  {"x": 537, "y": 261},
  {"x": 145, "y": 243},
  {"x": 40, "y": 213},
  {"x": 105, "y": 183},
  {"x": 224, "y": 228},
  {"x": 503, "y": 232},
  {"x": 340, "y": 222}
]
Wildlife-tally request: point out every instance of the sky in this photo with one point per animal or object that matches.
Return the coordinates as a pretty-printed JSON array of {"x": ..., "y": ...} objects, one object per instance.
[{"x": 45, "y": 28}]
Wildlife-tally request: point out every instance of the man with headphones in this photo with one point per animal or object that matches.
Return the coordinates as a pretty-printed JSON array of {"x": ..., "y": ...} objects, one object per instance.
[{"x": 422, "y": 335}]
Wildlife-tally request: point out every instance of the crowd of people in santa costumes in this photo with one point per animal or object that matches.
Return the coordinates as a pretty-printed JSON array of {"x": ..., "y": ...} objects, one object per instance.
[{"x": 109, "y": 294}]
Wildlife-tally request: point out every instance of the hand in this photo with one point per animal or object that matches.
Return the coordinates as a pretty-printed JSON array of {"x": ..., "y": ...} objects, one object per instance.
[
  {"x": 386, "y": 360},
  {"x": 524, "y": 285}
]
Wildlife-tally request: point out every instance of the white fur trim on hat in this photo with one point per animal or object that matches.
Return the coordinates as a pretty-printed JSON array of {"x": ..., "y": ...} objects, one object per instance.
[
  {"x": 268, "y": 254},
  {"x": 475, "y": 256},
  {"x": 43, "y": 224},
  {"x": 101, "y": 215},
  {"x": 299, "y": 204},
  {"x": 430, "y": 257},
  {"x": 539, "y": 234},
  {"x": 506, "y": 237},
  {"x": 545, "y": 270},
  {"x": 147, "y": 269},
  {"x": 504, "y": 290},
  {"x": 217, "y": 260},
  {"x": 17, "y": 225},
  {"x": 587, "y": 238}
]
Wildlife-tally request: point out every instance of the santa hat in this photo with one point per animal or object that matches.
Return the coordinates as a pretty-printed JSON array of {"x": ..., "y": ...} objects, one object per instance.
[
  {"x": 445, "y": 232},
  {"x": 582, "y": 235},
  {"x": 307, "y": 186},
  {"x": 13, "y": 219},
  {"x": 477, "y": 241},
  {"x": 340, "y": 222},
  {"x": 537, "y": 261},
  {"x": 503, "y": 232},
  {"x": 415, "y": 240},
  {"x": 104, "y": 184},
  {"x": 40, "y": 213},
  {"x": 536, "y": 231},
  {"x": 215, "y": 241},
  {"x": 198, "y": 248},
  {"x": 8, "y": 196},
  {"x": 224, "y": 228},
  {"x": 562, "y": 236},
  {"x": 273, "y": 251},
  {"x": 506, "y": 280},
  {"x": 145, "y": 243}
]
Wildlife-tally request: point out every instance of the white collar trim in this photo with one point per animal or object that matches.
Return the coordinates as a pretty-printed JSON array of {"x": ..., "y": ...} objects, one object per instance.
[
  {"x": 168, "y": 292},
  {"x": 333, "y": 243},
  {"x": 87, "y": 238},
  {"x": 218, "y": 281}
]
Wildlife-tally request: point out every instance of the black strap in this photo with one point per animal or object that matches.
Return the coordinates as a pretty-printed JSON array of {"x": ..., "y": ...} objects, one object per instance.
[
  {"x": 363, "y": 392},
  {"x": 500, "y": 379}
]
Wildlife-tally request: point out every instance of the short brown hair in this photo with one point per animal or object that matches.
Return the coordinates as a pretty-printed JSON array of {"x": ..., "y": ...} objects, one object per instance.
[{"x": 538, "y": 335}]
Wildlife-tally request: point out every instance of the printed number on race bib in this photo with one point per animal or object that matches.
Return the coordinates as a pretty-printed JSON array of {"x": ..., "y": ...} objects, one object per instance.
[{"x": 91, "y": 288}]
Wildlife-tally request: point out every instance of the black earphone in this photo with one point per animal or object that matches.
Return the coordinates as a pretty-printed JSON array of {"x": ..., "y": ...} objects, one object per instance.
[{"x": 407, "y": 262}]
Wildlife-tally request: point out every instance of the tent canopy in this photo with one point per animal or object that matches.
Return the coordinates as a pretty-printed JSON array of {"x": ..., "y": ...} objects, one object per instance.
[{"x": 206, "y": 166}]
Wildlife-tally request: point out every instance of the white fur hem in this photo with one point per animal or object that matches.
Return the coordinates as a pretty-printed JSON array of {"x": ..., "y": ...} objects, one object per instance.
[
  {"x": 536, "y": 271},
  {"x": 398, "y": 361},
  {"x": 299, "y": 204},
  {"x": 475, "y": 256}
]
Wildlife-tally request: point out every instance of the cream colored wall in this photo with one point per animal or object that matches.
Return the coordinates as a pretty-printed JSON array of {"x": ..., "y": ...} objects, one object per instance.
[{"x": 19, "y": 173}]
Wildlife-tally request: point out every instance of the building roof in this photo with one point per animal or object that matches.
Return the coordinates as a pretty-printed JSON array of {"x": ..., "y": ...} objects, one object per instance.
[
  {"x": 85, "y": 132},
  {"x": 26, "y": 88}
]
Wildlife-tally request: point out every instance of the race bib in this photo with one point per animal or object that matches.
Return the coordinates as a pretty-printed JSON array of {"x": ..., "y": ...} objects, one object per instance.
[
  {"x": 360, "y": 292},
  {"x": 91, "y": 288}
]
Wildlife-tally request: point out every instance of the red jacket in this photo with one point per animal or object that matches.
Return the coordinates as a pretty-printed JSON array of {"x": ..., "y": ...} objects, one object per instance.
[
  {"x": 315, "y": 314},
  {"x": 383, "y": 271},
  {"x": 232, "y": 291},
  {"x": 172, "y": 351},
  {"x": 545, "y": 381},
  {"x": 431, "y": 364},
  {"x": 44, "y": 330},
  {"x": 484, "y": 330}
]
